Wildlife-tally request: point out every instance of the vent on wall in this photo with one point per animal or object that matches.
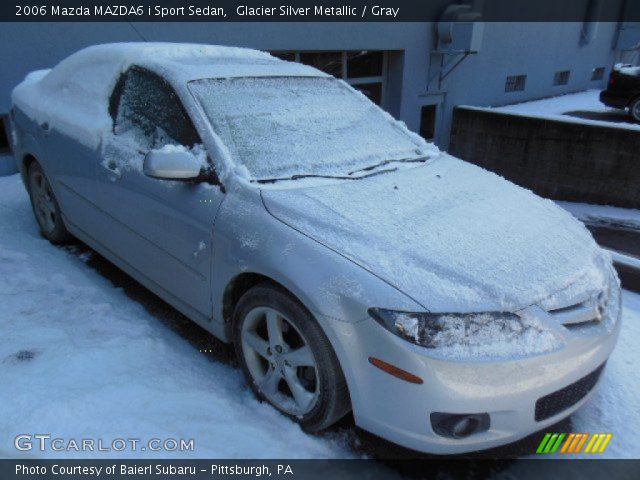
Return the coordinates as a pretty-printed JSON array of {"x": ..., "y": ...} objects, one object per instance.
[
  {"x": 597, "y": 74},
  {"x": 5, "y": 146},
  {"x": 515, "y": 83},
  {"x": 561, "y": 77}
]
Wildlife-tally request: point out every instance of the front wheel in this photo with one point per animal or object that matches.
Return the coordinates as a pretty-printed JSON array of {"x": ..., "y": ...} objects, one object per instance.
[
  {"x": 287, "y": 359},
  {"x": 634, "y": 109},
  {"x": 45, "y": 206}
]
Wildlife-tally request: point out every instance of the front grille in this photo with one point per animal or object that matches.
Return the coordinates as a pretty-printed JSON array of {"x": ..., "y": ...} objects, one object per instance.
[
  {"x": 588, "y": 312},
  {"x": 560, "y": 400}
]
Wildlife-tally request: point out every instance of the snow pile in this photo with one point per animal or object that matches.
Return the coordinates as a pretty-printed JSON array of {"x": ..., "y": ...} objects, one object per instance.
[
  {"x": 124, "y": 151},
  {"x": 603, "y": 215},
  {"x": 480, "y": 336},
  {"x": 449, "y": 233},
  {"x": 559, "y": 108},
  {"x": 36, "y": 75},
  {"x": 278, "y": 127},
  {"x": 79, "y": 359},
  {"x": 74, "y": 96},
  {"x": 555, "y": 106},
  {"x": 198, "y": 151},
  {"x": 126, "y": 156}
]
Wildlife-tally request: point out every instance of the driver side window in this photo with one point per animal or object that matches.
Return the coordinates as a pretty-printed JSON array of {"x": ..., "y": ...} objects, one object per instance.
[{"x": 147, "y": 111}]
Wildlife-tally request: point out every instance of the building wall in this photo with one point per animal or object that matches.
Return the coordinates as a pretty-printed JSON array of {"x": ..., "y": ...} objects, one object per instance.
[
  {"x": 534, "y": 49},
  {"x": 537, "y": 50},
  {"x": 30, "y": 46}
]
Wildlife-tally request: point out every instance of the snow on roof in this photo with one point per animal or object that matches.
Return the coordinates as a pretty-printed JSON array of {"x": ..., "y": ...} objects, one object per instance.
[
  {"x": 626, "y": 69},
  {"x": 73, "y": 97},
  {"x": 183, "y": 61}
]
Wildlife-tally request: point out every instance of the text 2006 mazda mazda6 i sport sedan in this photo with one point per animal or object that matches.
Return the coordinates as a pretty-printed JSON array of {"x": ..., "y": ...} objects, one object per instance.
[{"x": 354, "y": 266}]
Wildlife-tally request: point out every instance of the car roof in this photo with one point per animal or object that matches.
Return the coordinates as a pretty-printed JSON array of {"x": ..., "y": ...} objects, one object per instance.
[
  {"x": 183, "y": 62},
  {"x": 74, "y": 95}
]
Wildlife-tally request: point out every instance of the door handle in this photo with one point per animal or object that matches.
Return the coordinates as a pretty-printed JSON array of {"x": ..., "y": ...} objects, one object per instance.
[{"x": 112, "y": 168}]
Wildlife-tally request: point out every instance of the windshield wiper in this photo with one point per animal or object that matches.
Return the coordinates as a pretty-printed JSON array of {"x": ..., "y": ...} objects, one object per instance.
[
  {"x": 314, "y": 175},
  {"x": 423, "y": 158}
]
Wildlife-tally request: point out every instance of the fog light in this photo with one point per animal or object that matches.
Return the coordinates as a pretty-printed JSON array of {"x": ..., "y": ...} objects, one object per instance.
[{"x": 454, "y": 425}]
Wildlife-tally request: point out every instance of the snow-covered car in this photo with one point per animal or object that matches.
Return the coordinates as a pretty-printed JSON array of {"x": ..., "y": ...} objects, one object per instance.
[
  {"x": 623, "y": 90},
  {"x": 353, "y": 265}
]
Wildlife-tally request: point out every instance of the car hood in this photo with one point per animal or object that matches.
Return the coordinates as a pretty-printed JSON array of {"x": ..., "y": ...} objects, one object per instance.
[{"x": 450, "y": 235}]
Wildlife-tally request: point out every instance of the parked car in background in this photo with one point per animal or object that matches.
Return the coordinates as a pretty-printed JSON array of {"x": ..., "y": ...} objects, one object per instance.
[
  {"x": 623, "y": 90},
  {"x": 354, "y": 266}
]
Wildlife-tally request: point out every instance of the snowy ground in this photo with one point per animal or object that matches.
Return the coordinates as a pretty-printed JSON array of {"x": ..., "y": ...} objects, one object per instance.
[
  {"x": 79, "y": 358},
  {"x": 582, "y": 107}
]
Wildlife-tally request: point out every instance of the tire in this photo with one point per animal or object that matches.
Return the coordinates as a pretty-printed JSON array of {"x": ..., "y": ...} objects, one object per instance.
[
  {"x": 45, "y": 206},
  {"x": 325, "y": 398},
  {"x": 634, "y": 109}
]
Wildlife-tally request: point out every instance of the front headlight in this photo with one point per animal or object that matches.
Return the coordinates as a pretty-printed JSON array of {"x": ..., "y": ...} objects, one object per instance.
[
  {"x": 462, "y": 335},
  {"x": 610, "y": 301}
]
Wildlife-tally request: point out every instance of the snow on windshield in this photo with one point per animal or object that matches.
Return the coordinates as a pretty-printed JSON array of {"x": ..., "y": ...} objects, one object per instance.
[{"x": 282, "y": 126}]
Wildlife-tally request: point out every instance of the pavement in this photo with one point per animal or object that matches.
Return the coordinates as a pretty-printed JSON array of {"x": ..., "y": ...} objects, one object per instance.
[{"x": 625, "y": 241}]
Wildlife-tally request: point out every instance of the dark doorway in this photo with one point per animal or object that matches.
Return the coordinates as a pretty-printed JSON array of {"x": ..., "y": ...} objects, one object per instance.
[
  {"x": 428, "y": 121},
  {"x": 5, "y": 146}
]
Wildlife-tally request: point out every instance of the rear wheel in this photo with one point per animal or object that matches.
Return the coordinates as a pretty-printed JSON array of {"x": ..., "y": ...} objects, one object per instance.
[
  {"x": 45, "y": 206},
  {"x": 287, "y": 359},
  {"x": 634, "y": 109}
]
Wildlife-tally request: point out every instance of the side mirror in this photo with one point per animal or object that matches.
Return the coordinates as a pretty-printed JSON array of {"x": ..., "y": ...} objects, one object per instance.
[{"x": 171, "y": 163}]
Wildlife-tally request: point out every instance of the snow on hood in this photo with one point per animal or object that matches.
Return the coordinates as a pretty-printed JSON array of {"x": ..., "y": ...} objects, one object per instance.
[{"x": 449, "y": 234}]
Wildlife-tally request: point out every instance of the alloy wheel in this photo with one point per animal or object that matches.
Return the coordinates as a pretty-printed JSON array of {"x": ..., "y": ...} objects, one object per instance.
[
  {"x": 43, "y": 202},
  {"x": 280, "y": 361}
]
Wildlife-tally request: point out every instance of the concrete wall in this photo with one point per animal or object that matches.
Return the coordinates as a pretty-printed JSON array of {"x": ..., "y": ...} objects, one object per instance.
[{"x": 555, "y": 159}]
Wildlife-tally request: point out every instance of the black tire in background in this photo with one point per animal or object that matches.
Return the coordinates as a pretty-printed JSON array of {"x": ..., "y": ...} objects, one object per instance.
[
  {"x": 634, "y": 109},
  {"x": 331, "y": 401},
  {"x": 45, "y": 206}
]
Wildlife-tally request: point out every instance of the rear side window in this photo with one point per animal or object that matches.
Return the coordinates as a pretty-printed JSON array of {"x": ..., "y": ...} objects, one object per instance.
[{"x": 147, "y": 110}]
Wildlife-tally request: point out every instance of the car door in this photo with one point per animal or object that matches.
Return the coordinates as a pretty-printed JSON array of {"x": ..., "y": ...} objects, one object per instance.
[
  {"x": 69, "y": 155},
  {"x": 161, "y": 229}
]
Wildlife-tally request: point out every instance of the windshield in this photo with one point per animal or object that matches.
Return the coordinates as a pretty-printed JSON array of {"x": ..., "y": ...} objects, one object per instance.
[{"x": 279, "y": 127}]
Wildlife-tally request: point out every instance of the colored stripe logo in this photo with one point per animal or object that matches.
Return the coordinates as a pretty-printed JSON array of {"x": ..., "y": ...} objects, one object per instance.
[{"x": 574, "y": 443}]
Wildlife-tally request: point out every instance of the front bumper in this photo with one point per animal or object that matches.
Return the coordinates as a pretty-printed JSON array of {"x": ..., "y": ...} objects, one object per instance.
[
  {"x": 507, "y": 390},
  {"x": 613, "y": 100}
]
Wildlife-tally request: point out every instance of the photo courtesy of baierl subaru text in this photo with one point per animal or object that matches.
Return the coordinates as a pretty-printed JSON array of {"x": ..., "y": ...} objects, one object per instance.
[{"x": 350, "y": 239}]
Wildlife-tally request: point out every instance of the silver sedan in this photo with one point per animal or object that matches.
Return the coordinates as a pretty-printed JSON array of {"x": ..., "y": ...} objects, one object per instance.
[{"x": 354, "y": 266}]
